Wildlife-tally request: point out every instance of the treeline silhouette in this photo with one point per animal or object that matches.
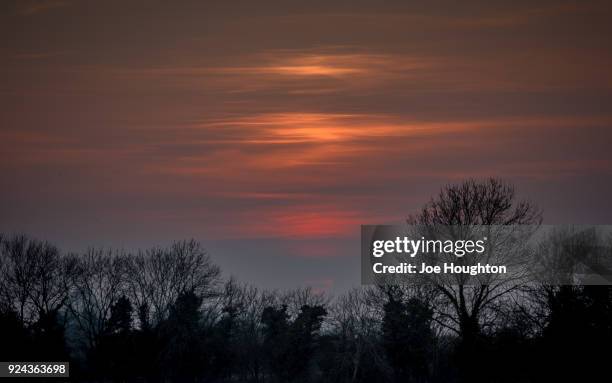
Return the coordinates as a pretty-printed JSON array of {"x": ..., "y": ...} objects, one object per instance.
[{"x": 167, "y": 315}]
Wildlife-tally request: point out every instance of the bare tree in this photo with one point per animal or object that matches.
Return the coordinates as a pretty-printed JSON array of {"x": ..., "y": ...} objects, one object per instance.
[
  {"x": 159, "y": 275},
  {"x": 303, "y": 296},
  {"x": 241, "y": 307},
  {"x": 35, "y": 277},
  {"x": 463, "y": 308},
  {"x": 99, "y": 281},
  {"x": 355, "y": 318}
]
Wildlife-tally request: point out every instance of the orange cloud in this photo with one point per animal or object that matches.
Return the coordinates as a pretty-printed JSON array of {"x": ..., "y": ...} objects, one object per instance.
[{"x": 322, "y": 70}]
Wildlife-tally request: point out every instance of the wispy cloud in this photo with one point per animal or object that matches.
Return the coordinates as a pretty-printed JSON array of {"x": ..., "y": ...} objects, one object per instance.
[
  {"x": 279, "y": 123},
  {"x": 353, "y": 72},
  {"x": 310, "y": 71}
]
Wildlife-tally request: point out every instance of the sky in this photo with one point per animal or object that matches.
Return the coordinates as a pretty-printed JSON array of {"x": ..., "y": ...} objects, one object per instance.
[{"x": 270, "y": 131}]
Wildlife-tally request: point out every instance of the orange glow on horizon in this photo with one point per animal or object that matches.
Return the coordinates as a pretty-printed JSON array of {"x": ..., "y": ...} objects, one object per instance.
[{"x": 306, "y": 221}]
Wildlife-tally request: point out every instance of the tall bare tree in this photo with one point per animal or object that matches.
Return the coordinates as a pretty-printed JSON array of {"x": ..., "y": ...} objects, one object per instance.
[
  {"x": 462, "y": 307},
  {"x": 97, "y": 285}
]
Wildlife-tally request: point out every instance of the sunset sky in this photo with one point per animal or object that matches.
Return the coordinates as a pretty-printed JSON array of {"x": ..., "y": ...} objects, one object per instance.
[{"x": 271, "y": 131}]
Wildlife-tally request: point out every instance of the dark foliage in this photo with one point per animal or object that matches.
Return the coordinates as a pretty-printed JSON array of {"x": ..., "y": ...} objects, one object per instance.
[{"x": 164, "y": 315}]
